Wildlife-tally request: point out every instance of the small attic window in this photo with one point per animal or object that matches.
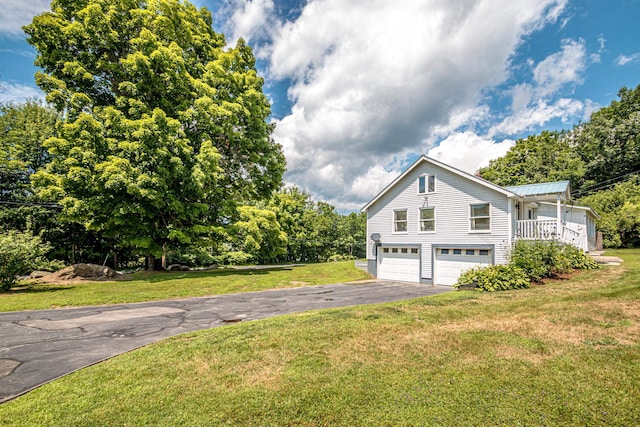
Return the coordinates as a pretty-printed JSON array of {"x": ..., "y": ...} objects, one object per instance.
[{"x": 426, "y": 184}]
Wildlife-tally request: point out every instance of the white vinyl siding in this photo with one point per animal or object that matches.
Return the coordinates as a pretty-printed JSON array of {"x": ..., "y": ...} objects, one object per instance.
[{"x": 451, "y": 202}]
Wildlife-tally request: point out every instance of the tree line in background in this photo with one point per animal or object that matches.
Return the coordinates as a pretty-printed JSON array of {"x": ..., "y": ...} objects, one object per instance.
[
  {"x": 600, "y": 157},
  {"x": 154, "y": 143}
]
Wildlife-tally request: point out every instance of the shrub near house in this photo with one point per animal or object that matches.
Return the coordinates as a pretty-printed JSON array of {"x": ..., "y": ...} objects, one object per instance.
[{"x": 530, "y": 261}]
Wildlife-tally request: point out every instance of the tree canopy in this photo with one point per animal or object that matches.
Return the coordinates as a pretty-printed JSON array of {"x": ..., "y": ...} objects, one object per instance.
[
  {"x": 550, "y": 156},
  {"x": 610, "y": 141},
  {"x": 23, "y": 130},
  {"x": 164, "y": 130}
]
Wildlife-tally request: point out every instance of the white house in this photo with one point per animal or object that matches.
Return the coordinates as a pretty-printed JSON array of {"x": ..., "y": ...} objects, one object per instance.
[{"x": 434, "y": 221}]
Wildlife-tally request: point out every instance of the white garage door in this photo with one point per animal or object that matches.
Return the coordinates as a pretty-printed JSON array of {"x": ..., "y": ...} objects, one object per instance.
[
  {"x": 402, "y": 264},
  {"x": 451, "y": 262}
]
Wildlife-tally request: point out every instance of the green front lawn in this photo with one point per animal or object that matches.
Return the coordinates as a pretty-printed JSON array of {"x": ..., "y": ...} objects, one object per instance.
[
  {"x": 565, "y": 353},
  {"x": 169, "y": 285}
]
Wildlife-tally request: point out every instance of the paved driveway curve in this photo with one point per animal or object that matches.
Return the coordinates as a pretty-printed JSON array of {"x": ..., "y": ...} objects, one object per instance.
[{"x": 41, "y": 345}]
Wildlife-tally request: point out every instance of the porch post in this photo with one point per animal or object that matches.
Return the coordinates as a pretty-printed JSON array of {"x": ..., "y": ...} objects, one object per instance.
[{"x": 559, "y": 217}]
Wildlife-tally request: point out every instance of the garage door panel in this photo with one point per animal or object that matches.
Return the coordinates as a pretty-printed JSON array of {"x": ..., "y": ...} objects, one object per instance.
[
  {"x": 399, "y": 266},
  {"x": 449, "y": 266}
]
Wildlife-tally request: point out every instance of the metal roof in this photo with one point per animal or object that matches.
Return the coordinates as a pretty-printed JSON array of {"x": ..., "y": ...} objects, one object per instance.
[{"x": 540, "y": 189}]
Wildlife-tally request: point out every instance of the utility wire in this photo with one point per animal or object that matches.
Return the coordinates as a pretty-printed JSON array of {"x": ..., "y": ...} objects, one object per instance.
[
  {"x": 36, "y": 204},
  {"x": 606, "y": 184}
]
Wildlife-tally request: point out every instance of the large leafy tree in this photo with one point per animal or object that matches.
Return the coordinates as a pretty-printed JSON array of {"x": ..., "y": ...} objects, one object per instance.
[
  {"x": 164, "y": 129},
  {"x": 550, "y": 156},
  {"x": 619, "y": 210},
  {"x": 23, "y": 130},
  {"x": 610, "y": 141},
  {"x": 24, "y": 127},
  {"x": 258, "y": 233}
]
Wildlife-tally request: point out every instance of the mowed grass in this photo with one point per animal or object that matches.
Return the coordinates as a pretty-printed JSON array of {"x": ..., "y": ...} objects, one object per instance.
[
  {"x": 565, "y": 353},
  {"x": 170, "y": 285}
]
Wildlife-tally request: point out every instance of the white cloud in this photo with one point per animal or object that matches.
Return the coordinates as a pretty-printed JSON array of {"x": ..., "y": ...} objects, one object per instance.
[
  {"x": 624, "y": 59},
  {"x": 12, "y": 92},
  {"x": 536, "y": 103},
  {"x": 16, "y": 13},
  {"x": 252, "y": 19},
  {"x": 561, "y": 68},
  {"x": 564, "y": 109},
  {"x": 468, "y": 151},
  {"x": 373, "y": 82}
]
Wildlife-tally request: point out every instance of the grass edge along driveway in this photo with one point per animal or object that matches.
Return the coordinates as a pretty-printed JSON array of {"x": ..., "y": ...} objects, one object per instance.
[
  {"x": 156, "y": 286},
  {"x": 566, "y": 353}
]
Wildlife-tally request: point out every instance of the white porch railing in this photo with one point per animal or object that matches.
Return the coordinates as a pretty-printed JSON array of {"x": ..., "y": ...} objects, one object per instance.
[
  {"x": 548, "y": 230},
  {"x": 537, "y": 230}
]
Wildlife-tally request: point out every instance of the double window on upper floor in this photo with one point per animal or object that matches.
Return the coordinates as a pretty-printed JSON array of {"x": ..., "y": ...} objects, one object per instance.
[
  {"x": 426, "y": 184},
  {"x": 427, "y": 219}
]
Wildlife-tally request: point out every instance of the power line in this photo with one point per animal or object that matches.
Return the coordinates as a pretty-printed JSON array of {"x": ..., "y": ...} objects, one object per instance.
[
  {"x": 605, "y": 184},
  {"x": 612, "y": 179},
  {"x": 35, "y": 204}
]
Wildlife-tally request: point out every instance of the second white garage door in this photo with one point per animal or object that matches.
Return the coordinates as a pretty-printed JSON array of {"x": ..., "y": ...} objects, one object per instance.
[
  {"x": 450, "y": 262},
  {"x": 402, "y": 264}
]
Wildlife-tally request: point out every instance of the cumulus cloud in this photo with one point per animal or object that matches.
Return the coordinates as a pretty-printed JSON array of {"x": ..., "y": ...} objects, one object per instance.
[
  {"x": 562, "y": 67},
  {"x": 16, "y": 13},
  {"x": 11, "y": 92},
  {"x": 252, "y": 19},
  {"x": 468, "y": 151},
  {"x": 540, "y": 101},
  {"x": 374, "y": 83},
  {"x": 527, "y": 119}
]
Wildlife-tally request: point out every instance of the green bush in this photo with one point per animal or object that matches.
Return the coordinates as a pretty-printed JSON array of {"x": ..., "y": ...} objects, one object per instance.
[
  {"x": 19, "y": 254},
  {"x": 577, "y": 259},
  {"x": 495, "y": 278},
  {"x": 233, "y": 258},
  {"x": 195, "y": 256},
  {"x": 340, "y": 257},
  {"x": 543, "y": 259}
]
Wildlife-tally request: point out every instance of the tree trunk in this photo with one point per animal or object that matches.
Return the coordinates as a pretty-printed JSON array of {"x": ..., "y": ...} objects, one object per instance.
[{"x": 153, "y": 264}]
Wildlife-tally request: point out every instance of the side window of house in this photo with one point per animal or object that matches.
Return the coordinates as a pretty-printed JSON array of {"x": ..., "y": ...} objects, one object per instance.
[
  {"x": 479, "y": 216},
  {"x": 400, "y": 221},
  {"x": 426, "y": 184},
  {"x": 427, "y": 219}
]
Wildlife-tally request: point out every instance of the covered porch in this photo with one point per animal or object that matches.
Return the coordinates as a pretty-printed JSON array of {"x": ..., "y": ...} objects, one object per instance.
[{"x": 545, "y": 212}]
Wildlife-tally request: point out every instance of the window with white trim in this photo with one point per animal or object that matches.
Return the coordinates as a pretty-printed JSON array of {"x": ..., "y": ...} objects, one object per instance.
[
  {"x": 400, "y": 221},
  {"x": 426, "y": 184},
  {"x": 480, "y": 217},
  {"x": 427, "y": 220}
]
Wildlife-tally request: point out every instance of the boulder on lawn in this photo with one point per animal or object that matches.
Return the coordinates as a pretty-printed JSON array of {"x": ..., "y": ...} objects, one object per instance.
[
  {"x": 86, "y": 271},
  {"x": 38, "y": 274}
]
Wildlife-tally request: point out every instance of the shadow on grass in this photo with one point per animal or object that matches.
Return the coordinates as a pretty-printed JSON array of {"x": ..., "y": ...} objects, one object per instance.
[
  {"x": 163, "y": 276},
  {"x": 38, "y": 288}
]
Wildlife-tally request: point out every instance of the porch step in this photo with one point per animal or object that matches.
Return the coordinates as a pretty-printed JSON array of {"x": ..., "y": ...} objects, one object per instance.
[{"x": 607, "y": 260}]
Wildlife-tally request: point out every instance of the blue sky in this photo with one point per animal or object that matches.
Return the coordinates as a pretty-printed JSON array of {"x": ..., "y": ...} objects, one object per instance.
[{"x": 361, "y": 88}]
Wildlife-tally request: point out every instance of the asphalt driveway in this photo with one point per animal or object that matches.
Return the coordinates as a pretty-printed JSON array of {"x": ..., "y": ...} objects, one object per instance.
[{"x": 41, "y": 345}]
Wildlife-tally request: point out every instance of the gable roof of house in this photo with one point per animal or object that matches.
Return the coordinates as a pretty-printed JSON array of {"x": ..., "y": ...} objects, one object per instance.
[
  {"x": 545, "y": 188},
  {"x": 424, "y": 158}
]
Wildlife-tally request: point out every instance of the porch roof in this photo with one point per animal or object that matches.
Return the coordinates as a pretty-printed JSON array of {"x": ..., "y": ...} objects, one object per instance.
[{"x": 541, "y": 189}]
